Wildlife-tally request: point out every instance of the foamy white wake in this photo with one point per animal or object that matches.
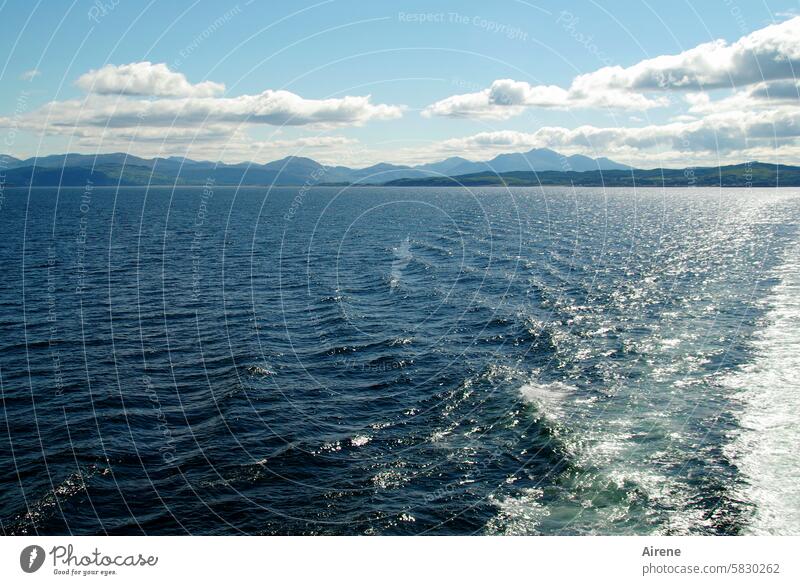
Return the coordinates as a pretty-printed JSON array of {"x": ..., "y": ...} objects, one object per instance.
[
  {"x": 547, "y": 398},
  {"x": 768, "y": 449}
]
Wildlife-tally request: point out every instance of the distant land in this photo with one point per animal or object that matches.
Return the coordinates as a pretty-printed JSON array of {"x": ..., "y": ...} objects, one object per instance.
[
  {"x": 755, "y": 174},
  {"x": 533, "y": 168},
  {"x": 127, "y": 170}
]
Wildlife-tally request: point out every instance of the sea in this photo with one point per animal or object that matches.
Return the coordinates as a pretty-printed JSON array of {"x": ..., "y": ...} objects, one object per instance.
[{"x": 399, "y": 361}]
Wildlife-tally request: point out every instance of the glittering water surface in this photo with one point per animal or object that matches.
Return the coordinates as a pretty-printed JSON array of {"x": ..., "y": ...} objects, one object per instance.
[{"x": 399, "y": 361}]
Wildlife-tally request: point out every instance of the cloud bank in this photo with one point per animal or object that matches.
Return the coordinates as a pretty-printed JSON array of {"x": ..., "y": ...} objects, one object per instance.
[
  {"x": 768, "y": 55},
  {"x": 148, "y": 102}
]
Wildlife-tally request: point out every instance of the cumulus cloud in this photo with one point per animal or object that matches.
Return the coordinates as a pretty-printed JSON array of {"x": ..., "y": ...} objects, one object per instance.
[
  {"x": 764, "y": 95},
  {"x": 788, "y": 90},
  {"x": 766, "y": 56},
  {"x": 157, "y": 112},
  {"x": 716, "y": 135},
  {"x": 506, "y": 98},
  {"x": 145, "y": 79},
  {"x": 276, "y": 108},
  {"x": 175, "y": 108}
]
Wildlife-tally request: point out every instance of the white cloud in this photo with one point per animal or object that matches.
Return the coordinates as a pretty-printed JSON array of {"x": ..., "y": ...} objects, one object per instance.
[
  {"x": 176, "y": 110},
  {"x": 472, "y": 105},
  {"x": 506, "y": 98},
  {"x": 771, "y": 54},
  {"x": 153, "y": 111},
  {"x": 725, "y": 135},
  {"x": 767, "y": 54},
  {"x": 764, "y": 95},
  {"x": 271, "y": 107},
  {"x": 785, "y": 89},
  {"x": 145, "y": 79}
]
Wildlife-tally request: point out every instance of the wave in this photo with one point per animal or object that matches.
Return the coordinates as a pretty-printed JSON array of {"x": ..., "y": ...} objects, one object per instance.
[
  {"x": 50, "y": 505},
  {"x": 548, "y": 399},
  {"x": 260, "y": 371},
  {"x": 608, "y": 483}
]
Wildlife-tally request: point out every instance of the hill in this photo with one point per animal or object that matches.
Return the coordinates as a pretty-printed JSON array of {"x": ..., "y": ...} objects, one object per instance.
[{"x": 743, "y": 175}]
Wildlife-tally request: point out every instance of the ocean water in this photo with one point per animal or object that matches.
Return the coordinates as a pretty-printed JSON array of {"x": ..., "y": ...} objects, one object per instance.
[{"x": 399, "y": 361}]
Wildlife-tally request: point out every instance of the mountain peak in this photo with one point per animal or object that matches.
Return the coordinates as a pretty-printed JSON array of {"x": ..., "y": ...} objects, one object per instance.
[{"x": 292, "y": 170}]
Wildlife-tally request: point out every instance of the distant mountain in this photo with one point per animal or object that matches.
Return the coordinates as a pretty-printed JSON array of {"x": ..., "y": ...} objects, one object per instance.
[
  {"x": 538, "y": 159},
  {"x": 123, "y": 169},
  {"x": 541, "y": 159},
  {"x": 8, "y": 162},
  {"x": 539, "y": 166},
  {"x": 445, "y": 167},
  {"x": 81, "y": 160},
  {"x": 379, "y": 173},
  {"x": 753, "y": 174},
  {"x": 119, "y": 169}
]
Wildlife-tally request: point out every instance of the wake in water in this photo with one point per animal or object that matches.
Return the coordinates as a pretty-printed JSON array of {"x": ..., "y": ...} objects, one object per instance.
[
  {"x": 645, "y": 445},
  {"x": 767, "y": 449}
]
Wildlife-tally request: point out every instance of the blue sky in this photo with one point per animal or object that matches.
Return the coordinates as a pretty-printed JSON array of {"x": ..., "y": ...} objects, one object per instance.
[{"x": 443, "y": 78}]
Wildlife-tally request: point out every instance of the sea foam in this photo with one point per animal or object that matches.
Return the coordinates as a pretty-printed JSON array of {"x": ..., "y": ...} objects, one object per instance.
[{"x": 766, "y": 451}]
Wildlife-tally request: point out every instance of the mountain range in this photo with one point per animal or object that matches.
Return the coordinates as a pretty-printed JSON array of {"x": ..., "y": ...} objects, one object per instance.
[
  {"x": 121, "y": 169},
  {"x": 536, "y": 167}
]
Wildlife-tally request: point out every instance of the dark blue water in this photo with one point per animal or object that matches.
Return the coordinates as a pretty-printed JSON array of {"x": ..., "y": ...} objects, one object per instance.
[{"x": 397, "y": 361}]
